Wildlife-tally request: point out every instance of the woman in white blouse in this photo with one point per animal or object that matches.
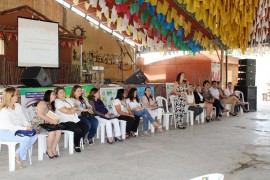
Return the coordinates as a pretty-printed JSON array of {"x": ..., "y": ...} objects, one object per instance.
[
  {"x": 83, "y": 104},
  {"x": 151, "y": 105},
  {"x": 200, "y": 100},
  {"x": 12, "y": 119},
  {"x": 122, "y": 112},
  {"x": 134, "y": 104},
  {"x": 69, "y": 118}
]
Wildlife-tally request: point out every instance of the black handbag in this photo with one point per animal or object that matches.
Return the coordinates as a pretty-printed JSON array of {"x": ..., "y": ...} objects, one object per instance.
[
  {"x": 52, "y": 127},
  {"x": 87, "y": 114}
]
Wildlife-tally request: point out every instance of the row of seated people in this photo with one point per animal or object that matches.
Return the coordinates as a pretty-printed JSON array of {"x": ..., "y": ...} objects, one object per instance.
[
  {"x": 205, "y": 97},
  {"x": 71, "y": 110},
  {"x": 127, "y": 106}
]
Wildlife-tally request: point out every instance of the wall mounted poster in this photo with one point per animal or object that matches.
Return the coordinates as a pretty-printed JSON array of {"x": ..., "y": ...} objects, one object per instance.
[
  {"x": 85, "y": 90},
  {"x": 107, "y": 95},
  {"x": 31, "y": 96},
  {"x": 169, "y": 90}
]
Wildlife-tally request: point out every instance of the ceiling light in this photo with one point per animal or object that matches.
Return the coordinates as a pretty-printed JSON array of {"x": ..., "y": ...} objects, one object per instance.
[
  {"x": 106, "y": 28},
  {"x": 118, "y": 35},
  {"x": 92, "y": 20},
  {"x": 64, "y": 3},
  {"x": 130, "y": 42},
  {"x": 78, "y": 11}
]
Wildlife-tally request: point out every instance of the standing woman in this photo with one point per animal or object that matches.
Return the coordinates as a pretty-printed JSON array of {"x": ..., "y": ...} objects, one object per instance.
[
  {"x": 103, "y": 116},
  {"x": 180, "y": 90},
  {"x": 122, "y": 112},
  {"x": 12, "y": 119},
  {"x": 40, "y": 117},
  {"x": 83, "y": 104},
  {"x": 69, "y": 118},
  {"x": 151, "y": 105},
  {"x": 135, "y": 106}
]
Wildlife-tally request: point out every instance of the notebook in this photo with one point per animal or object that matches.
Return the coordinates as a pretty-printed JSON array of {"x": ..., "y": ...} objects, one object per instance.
[{"x": 52, "y": 115}]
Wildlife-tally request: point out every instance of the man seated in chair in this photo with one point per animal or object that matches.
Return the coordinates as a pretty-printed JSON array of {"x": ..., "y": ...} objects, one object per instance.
[
  {"x": 217, "y": 103},
  {"x": 229, "y": 91},
  {"x": 228, "y": 99}
]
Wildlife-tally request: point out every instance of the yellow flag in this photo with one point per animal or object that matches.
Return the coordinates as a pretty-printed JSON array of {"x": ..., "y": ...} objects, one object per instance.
[
  {"x": 153, "y": 2},
  {"x": 165, "y": 7},
  {"x": 139, "y": 36},
  {"x": 98, "y": 14},
  {"x": 159, "y": 7},
  {"x": 169, "y": 17},
  {"x": 119, "y": 24},
  {"x": 174, "y": 14}
]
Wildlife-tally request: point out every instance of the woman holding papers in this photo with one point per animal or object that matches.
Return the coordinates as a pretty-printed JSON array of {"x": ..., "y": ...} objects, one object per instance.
[{"x": 40, "y": 116}]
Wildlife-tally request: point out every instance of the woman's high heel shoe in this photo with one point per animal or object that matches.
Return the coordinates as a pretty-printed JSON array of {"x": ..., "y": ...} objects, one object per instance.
[
  {"x": 51, "y": 157},
  {"x": 109, "y": 142},
  {"x": 181, "y": 126},
  {"x": 118, "y": 139},
  {"x": 77, "y": 149}
]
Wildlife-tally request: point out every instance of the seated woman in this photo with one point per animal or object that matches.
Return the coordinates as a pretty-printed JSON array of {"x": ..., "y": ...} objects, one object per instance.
[
  {"x": 191, "y": 105},
  {"x": 122, "y": 112},
  {"x": 204, "y": 104},
  {"x": 12, "y": 119},
  {"x": 40, "y": 117},
  {"x": 69, "y": 118},
  {"x": 103, "y": 116},
  {"x": 151, "y": 105},
  {"x": 138, "y": 110},
  {"x": 83, "y": 105}
]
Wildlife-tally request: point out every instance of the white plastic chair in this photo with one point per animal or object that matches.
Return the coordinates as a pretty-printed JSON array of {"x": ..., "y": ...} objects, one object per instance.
[
  {"x": 101, "y": 130},
  {"x": 68, "y": 140},
  {"x": 190, "y": 116},
  {"x": 123, "y": 123},
  {"x": 166, "y": 114},
  {"x": 42, "y": 146},
  {"x": 240, "y": 95},
  {"x": 215, "y": 176},
  {"x": 12, "y": 152}
]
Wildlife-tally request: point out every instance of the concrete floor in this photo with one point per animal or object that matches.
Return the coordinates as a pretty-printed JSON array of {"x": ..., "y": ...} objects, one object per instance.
[{"x": 238, "y": 147}]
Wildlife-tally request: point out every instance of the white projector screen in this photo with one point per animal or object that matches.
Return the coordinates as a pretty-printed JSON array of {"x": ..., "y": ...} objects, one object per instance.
[{"x": 37, "y": 43}]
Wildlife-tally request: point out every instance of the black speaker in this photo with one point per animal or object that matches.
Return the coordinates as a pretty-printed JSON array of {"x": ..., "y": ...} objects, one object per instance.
[
  {"x": 247, "y": 62},
  {"x": 246, "y": 82},
  {"x": 246, "y": 76},
  {"x": 35, "y": 77},
  {"x": 250, "y": 95},
  {"x": 107, "y": 81},
  {"x": 247, "y": 69},
  {"x": 136, "y": 78}
]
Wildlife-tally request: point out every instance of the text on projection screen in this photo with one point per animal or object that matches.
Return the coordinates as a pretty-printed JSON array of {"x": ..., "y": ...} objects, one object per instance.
[{"x": 37, "y": 43}]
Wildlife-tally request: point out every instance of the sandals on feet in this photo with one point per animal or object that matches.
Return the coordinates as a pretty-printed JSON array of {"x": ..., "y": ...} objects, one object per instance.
[
  {"x": 19, "y": 163},
  {"x": 159, "y": 129},
  {"x": 208, "y": 119},
  {"x": 133, "y": 134},
  {"x": 145, "y": 133},
  {"x": 181, "y": 126}
]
